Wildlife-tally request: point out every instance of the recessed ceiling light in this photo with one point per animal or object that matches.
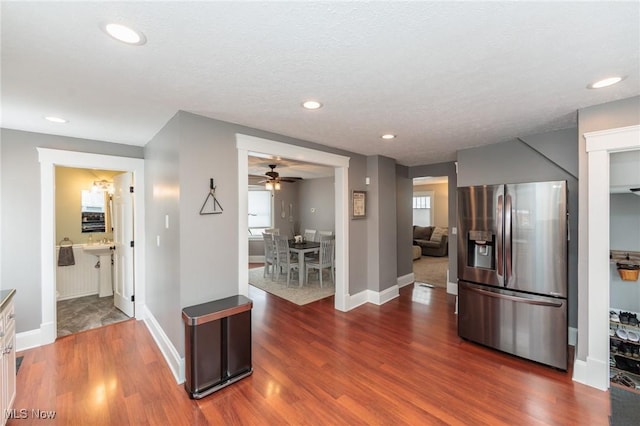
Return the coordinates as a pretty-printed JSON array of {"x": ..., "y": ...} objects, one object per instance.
[
  {"x": 605, "y": 82},
  {"x": 388, "y": 136},
  {"x": 53, "y": 119},
  {"x": 312, "y": 104},
  {"x": 125, "y": 34}
]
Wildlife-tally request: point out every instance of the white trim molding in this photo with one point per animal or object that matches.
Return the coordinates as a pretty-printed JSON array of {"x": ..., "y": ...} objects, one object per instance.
[
  {"x": 406, "y": 280},
  {"x": 594, "y": 370},
  {"x": 247, "y": 145},
  {"x": 175, "y": 362},
  {"x": 49, "y": 159},
  {"x": 375, "y": 297}
]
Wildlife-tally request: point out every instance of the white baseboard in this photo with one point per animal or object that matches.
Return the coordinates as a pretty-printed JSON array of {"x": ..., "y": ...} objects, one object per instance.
[
  {"x": 256, "y": 259},
  {"x": 355, "y": 300},
  {"x": 592, "y": 373},
  {"x": 370, "y": 296},
  {"x": 406, "y": 280},
  {"x": 452, "y": 288},
  {"x": 28, "y": 340},
  {"x": 33, "y": 338},
  {"x": 75, "y": 296},
  {"x": 382, "y": 297},
  {"x": 175, "y": 362}
]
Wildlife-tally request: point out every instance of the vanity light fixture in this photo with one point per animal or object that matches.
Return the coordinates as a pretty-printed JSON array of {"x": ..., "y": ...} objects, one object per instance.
[
  {"x": 103, "y": 185},
  {"x": 125, "y": 34},
  {"x": 54, "y": 119},
  {"x": 610, "y": 81},
  {"x": 311, "y": 105},
  {"x": 388, "y": 136}
]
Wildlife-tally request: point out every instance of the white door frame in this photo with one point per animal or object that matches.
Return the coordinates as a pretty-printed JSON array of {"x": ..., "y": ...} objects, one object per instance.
[
  {"x": 246, "y": 144},
  {"x": 49, "y": 158},
  {"x": 594, "y": 371}
]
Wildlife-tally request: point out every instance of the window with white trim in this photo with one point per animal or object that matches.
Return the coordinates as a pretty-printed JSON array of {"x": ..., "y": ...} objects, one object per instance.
[
  {"x": 260, "y": 206},
  {"x": 423, "y": 208}
]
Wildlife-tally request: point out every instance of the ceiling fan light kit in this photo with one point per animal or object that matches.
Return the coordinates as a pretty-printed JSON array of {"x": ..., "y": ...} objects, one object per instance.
[{"x": 274, "y": 179}]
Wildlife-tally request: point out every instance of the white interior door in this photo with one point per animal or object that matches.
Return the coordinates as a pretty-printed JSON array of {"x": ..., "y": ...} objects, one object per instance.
[{"x": 123, "y": 241}]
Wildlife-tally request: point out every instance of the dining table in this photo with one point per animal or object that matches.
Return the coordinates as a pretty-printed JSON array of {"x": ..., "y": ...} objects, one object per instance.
[{"x": 301, "y": 249}]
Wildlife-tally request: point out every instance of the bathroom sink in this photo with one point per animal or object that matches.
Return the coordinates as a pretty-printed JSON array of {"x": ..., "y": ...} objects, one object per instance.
[{"x": 98, "y": 249}]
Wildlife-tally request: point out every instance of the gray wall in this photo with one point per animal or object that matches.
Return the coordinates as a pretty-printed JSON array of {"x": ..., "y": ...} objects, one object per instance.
[
  {"x": 382, "y": 223},
  {"x": 404, "y": 218},
  {"x": 624, "y": 235},
  {"x": 611, "y": 115},
  {"x": 20, "y": 216},
  {"x": 449, "y": 170},
  {"x": 519, "y": 161},
  {"x": 289, "y": 195},
  {"x": 319, "y": 195},
  {"x": 162, "y": 197},
  {"x": 358, "y": 232}
]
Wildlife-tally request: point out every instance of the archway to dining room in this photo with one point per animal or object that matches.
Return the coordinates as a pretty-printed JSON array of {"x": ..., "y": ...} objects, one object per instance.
[
  {"x": 249, "y": 145},
  {"x": 289, "y": 199}
]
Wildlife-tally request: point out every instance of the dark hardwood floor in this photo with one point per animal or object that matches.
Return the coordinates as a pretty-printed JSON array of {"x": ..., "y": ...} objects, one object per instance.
[{"x": 400, "y": 363}]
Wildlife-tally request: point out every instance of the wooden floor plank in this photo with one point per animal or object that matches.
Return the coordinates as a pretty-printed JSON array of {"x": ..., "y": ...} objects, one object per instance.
[{"x": 399, "y": 363}]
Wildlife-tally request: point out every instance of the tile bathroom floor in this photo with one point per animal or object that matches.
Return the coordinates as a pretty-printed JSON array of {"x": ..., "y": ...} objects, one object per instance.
[{"x": 84, "y": 313}]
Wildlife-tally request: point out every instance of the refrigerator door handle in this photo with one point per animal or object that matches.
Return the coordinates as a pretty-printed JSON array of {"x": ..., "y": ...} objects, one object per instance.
[
  {"x": 515, "y": 298},
  {"x": 507, "y": 241},
  {"x": 499, "y": 249}
]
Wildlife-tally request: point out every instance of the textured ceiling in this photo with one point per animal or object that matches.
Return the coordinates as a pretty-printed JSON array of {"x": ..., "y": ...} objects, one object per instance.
[{"x": 441, "y": 75}]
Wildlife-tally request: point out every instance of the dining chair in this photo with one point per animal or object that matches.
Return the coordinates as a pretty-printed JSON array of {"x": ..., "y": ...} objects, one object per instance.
[
  {"x": 325, "y": 259},
  {"x": 309, "y": 234},
  {"x": 320, "y": 233},
  {"x": 284, "y": 258},
  {"x": 269, "y": 254},
  {"x": 274, "y": 231}
]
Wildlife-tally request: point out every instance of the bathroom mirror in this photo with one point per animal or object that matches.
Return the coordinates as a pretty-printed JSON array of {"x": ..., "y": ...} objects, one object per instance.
[{"x": 93, "y": 211}]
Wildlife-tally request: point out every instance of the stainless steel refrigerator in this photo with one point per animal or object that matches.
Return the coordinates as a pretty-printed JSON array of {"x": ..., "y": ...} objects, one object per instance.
[{"x": 512, "y": 269}]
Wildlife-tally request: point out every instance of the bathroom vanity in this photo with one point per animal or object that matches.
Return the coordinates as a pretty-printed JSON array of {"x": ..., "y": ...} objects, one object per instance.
[{"x": 7, "y": 352}]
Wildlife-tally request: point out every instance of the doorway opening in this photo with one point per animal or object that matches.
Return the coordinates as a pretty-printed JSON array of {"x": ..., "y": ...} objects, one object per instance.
[
  {"x": 250, "y": 144},
  {"x": 49, "y": 160},
  {"x": 430, "y": 231},
  {"x": 88, "y": 234},
  {"x": 297, "y": 202}
]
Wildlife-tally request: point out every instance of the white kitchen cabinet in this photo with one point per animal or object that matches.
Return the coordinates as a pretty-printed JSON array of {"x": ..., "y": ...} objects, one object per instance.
[{"x": 7, "y": 352}]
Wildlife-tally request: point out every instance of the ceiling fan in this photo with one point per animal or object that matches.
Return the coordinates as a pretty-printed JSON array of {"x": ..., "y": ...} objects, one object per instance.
[{"x": 273, "y": 178}]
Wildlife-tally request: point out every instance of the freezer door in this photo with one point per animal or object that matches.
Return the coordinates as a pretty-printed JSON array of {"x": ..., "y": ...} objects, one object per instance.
[
  {"x": 480, "y": 234},
  {"x": 532, "y": 327},
  {"x": 536, "y": 238}
]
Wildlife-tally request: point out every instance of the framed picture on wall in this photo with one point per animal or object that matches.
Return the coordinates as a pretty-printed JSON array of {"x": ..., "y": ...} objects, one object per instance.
[{"x": 359, "y": 204}]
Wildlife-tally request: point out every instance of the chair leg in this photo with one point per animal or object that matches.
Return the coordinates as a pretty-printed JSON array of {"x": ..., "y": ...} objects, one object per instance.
[
  {"x": 288, "y": 276},
  {"x": 320, "y": 273}
]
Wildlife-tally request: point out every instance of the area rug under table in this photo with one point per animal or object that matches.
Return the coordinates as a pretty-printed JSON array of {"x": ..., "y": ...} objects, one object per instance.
[{"x": 310, "y": 292}]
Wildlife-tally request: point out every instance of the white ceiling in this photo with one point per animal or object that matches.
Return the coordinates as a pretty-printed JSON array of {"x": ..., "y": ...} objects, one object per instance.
[{"x": 441, "y": 75}]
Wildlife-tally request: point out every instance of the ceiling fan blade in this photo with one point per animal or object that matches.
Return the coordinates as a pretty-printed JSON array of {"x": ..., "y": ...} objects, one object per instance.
[{"x": 290, "y": 179}]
